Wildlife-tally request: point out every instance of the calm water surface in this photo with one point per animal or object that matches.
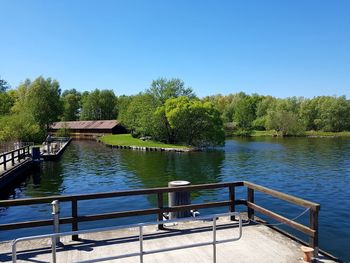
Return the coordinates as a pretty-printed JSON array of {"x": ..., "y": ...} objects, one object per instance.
[{"x": 314, "y": 169}]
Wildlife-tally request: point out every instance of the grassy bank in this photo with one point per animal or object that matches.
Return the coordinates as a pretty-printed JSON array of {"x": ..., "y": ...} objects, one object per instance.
[
  {"x": 307, "y": 134},
  {"x": 128, "y": 140},
  {"x": 327, "y": 134}
]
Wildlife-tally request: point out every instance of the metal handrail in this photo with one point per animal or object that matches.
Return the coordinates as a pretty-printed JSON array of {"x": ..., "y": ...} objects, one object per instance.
[{"x": 142, "y": 252}]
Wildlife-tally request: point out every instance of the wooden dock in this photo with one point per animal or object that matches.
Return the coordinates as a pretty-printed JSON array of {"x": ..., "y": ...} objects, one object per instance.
[
  {"x": 259, "y": 243},
  {"x": 13, "y": 163},
  {"x": 56, "y": 149}
]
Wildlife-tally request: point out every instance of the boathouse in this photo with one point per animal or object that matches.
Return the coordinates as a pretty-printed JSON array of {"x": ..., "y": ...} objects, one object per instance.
[{"x": 88, "y": 129}]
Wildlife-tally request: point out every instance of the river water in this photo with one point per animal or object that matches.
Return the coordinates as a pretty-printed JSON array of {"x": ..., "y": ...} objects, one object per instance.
[{"x": 316, "y": 169}]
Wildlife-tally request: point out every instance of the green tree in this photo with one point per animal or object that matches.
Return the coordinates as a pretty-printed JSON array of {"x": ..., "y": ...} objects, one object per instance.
[
  {"x": 3, "y": 85},
  {"x": 244, "y": 115},
  {"x": 194, "y": 122},
  {"x": 43, "y": 101},
  {"x": 20, "y": 127},
  {"x": 6, "y": 103},
  {"x": 71, "y": 100},
  {"x": 163, "y": 89},
  {"x": 99, "y": 105},
  {"x": 285, "y": 123},
  {"x": 137, "y": 114}
]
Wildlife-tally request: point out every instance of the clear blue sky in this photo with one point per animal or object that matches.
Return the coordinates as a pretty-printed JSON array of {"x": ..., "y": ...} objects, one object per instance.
[{"x": 281, "y": 48}]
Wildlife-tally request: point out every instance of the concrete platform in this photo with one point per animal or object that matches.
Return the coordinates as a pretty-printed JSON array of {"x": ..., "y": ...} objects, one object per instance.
[{"x": 258, "y": 244}]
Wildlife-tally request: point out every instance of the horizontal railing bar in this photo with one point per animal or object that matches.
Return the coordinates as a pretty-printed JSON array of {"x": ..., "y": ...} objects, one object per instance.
[
  {"x": 38, "y": 200},
  {"x": 105, "y": 229},
  {"x": 282, "y": 219},
  {"x": 283, "y": 196},
  {"x": 95, "y": 217},
  {"x": 195, "y": 206},
  {"x": 27, "y": 224},
  {"x": 140, "y": 225}
]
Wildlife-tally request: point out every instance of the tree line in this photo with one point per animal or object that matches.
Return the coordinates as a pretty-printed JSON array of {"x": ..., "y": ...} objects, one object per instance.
[
  {"x": 244, "y": 113},
  {"x": 167, "y": 111}
]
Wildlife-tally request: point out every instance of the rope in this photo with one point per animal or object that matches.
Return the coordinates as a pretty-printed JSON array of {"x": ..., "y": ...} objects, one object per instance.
[{"x": 282, "y": 223}]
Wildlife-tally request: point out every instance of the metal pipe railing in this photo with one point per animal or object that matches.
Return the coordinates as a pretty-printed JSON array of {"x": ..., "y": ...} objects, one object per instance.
[{"x": 140, "y": 226}]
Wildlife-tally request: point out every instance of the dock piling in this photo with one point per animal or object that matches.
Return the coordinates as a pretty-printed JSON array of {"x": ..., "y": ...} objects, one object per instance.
[{"x": 179, "y": 198}]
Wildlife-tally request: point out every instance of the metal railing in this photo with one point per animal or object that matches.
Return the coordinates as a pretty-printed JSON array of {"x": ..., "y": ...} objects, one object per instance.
[
  {"x": 140, "y": 226},
  {"x": 310, "y": 229}
]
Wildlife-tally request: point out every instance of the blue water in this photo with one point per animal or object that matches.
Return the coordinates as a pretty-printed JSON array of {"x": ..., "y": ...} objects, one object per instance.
[{"x": 311, "y": 168}]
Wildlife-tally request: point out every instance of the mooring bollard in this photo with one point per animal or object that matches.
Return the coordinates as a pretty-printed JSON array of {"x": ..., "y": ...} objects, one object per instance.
[
  {"x": 36, "y": 154},
  {"x": 179, "y": 198},
  {"x": 56, "y": 218}
]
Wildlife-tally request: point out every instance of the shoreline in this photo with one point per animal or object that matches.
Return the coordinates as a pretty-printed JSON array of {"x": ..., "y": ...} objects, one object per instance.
[
  {"x": 308, "y": 134},
  {"x": 140, "y": 145}
]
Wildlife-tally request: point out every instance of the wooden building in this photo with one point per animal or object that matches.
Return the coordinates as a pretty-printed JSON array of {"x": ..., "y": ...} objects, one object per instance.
[{"x": 88, "y": 129}]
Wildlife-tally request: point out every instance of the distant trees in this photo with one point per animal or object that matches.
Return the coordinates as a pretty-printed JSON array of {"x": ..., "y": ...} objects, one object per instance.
[
  {"x": 168, "y": 111},
  {"x": 3, "y": 85},
  {"x": 71, "y": 100},
  {"x": 98, "y": 105},
  {"x": 290, "y": 116}
]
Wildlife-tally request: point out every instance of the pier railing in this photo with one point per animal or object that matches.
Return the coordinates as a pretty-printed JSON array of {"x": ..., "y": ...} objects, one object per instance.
[
  {"x": 311, "y": 230},
  {"x": 12, "y": 156}
]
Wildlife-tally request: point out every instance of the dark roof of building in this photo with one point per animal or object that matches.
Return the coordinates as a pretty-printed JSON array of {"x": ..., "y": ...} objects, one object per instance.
[{"x": 101, "y": 124}]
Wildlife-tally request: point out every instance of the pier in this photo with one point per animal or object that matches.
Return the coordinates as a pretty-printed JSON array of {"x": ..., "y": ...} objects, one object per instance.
[
  {"x": 259, "y": 243},
  {"x": 13, "y": 163},
  {"x": 54, "y": 149}
]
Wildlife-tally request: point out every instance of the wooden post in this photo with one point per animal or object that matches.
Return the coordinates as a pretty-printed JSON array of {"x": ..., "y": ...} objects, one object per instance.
[
  {"x": 13, "y": 158},
  {"x": 232, "y": 198},
  {"x": 75, "y": 216},
  {"x": 18, "y": 155},
  {"x": 250, "y": 199},
  {"x": 313, "y": 242},
  {"x": 160, "y": 206}
]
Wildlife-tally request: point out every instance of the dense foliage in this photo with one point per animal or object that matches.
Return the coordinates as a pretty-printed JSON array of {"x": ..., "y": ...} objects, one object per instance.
[
  {"x": 171, "y": 113},
  {"x": 167, "y": 111},
  {"x": 291, "y": 116}
]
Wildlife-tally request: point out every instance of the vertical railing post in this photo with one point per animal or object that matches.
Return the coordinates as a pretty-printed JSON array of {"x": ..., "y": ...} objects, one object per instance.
[
  {"x": 141, "y": 243},
  {"x": 54, "y": 244},
  {"x": 232, "y": 198},
  {"x": 18, "y": 155},
  {"x": 13, "y": 158},
  {"x": 251, "y": 200},
  {"x": 56, "y": 218},
  {"x": 160, "y": 204},
  {"x": 75, "y": 217},
  {"x": 214, "y": 239},
  {"x": 313, "y": 242},
  {"x": 14, "y": 252},
  {"x": 4, "y": 158}
]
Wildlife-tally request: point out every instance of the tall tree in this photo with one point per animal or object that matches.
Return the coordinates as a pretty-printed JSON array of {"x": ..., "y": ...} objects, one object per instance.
[
  {"x": 43, "y": 101},
  {"x": 3, "y": 85},
  {"x": 71, "y": 105},
  {"x": 163, "y": 89},
  {"x": 99, "y": 105}
]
